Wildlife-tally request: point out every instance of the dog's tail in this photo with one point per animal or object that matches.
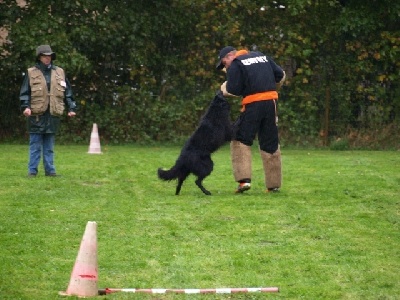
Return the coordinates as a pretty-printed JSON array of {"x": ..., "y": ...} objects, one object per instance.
[{"x": 168, "y": 175}]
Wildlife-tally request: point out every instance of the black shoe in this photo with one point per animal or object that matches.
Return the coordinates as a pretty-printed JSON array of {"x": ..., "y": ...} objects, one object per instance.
[
  {"x": 272, "y": 190},
  {"x": 31, "y": 174},
  {"x": 242, "y": 187},
  {"x": 52, "y": 175}
]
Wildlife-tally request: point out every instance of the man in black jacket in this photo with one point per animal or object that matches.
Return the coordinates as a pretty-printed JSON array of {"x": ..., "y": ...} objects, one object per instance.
[
  {"x": 255, "y": 77},
  {"x": 44, "y": 93}
]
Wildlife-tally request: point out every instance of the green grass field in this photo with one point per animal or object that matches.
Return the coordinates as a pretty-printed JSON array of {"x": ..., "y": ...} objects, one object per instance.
[{"x": 331, "y": 233}]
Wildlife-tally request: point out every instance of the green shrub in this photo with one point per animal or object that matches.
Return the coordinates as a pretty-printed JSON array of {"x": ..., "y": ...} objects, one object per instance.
[{"x": 340, "y": 145}]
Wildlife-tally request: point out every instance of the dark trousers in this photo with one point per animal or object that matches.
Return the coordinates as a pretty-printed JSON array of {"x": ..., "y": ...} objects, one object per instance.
[{"x": 259, "y": 118}]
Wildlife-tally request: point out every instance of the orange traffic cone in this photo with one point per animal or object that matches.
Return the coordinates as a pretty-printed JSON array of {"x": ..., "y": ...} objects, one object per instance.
[
  {"x": 83, "y": 282},
  {"x": 94, "y": 147}
]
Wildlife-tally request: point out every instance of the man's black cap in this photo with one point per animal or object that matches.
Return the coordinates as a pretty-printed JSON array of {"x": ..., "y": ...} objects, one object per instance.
[{"x": 224, "y": 51}]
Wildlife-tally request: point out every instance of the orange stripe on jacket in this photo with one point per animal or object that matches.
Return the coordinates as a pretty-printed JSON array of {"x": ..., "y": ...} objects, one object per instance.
[
  {"x": 270, "y": 95},
  {"x": 265, "y": 96},
  {"x": 241, "y": 52}
]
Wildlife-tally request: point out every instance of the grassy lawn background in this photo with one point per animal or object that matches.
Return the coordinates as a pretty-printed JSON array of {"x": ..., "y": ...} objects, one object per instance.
[{"x": 331, "y": 233}]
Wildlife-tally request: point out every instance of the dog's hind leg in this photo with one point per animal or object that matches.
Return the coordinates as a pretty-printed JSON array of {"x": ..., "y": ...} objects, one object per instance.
[
  {"x": 179, "y": 186},
  {"x": 204, "y": 168},
  {"x": 181, "y": 179},
  {"x": 199, "y": 183}
]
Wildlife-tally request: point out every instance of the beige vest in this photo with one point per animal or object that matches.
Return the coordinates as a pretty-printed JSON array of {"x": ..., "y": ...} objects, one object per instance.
[{"x": 41, "y": 98}]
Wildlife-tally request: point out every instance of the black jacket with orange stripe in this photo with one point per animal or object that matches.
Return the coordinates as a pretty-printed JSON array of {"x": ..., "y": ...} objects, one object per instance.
[{"x": 252, "y": 73}]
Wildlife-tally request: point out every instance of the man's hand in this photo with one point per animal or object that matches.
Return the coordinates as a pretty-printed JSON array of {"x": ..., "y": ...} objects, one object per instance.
[
  {"x": 71, "y": 114},
  {"x": 280, "y": 83},
  {"x": 27, "y": 112},
  {"x": 225, "y": 92}
]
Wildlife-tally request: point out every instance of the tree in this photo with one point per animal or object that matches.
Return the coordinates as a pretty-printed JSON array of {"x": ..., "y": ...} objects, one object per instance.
[{"x": 145, "y": 70}]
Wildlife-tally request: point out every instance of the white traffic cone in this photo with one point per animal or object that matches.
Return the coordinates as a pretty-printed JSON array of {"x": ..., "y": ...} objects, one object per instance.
[
  {"x": 84, "y": 277},
  {"x": 94, "y": 147}
]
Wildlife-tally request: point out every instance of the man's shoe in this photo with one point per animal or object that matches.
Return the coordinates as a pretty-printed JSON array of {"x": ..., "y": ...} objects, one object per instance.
[
  {"x": 31, "y": 174},
  {"x": 272, "y": 190},
  {"x": 53, "y": 175},
  {"x": 242, "y": 187}
]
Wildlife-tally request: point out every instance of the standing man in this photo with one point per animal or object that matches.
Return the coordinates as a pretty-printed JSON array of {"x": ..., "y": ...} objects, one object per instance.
[
  {"x": 45, "y": 92},
  {"x": 255, "y": 77}
]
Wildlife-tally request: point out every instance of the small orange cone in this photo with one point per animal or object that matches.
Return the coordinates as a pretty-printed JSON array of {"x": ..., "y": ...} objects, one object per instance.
[
  {"x": 94, "y": 147},
  {"x": 83, "y": 282}
]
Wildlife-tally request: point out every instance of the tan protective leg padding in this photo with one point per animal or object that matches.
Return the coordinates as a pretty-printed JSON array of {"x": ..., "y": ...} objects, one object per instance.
[
  {"x": 241, "y": 160},
  {"x": 272, "y": 164}
]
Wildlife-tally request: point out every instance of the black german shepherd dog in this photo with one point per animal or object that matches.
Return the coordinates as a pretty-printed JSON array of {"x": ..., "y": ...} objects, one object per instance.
[{"x": 213, "y": 131}]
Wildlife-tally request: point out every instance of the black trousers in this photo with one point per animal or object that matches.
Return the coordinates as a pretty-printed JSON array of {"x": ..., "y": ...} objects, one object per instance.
[{"x": 259, "y": 118}]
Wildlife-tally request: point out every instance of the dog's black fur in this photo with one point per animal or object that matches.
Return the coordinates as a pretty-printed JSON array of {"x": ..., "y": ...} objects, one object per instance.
[{"x": 214, "y": 130}]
